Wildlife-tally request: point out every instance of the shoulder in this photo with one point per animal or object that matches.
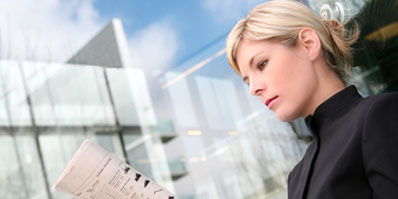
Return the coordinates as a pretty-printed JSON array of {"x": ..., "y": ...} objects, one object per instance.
[
  {"x": 369, "y": 110},
  {"x": 379, "y": 143},
  {"x": 383, "y": 98},
  {"x": 380, "y": 116},
  {"x": 380, "y": 105}
]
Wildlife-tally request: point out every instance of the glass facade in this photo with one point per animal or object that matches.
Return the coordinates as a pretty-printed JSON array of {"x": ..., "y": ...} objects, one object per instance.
[
  {"x": 375, "y": 53},
  {"x": 194, "y": 129},
  {"x": 181, "y": 134}
]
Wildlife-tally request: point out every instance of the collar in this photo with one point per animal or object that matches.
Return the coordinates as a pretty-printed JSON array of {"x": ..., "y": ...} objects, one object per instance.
[{"x": 334, "y": 106}]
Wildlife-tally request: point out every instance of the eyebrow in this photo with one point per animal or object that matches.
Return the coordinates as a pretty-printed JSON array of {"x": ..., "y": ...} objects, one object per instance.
[{"x": 252, "y": 59}]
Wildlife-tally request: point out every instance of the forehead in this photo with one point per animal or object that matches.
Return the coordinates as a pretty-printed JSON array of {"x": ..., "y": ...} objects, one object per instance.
[
  {"x": 250, "y": 47},
  {"x": 247, "y": 49}
]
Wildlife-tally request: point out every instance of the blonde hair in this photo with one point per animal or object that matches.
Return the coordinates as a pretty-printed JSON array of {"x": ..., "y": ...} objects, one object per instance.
[{"x": 282, "y": 20}]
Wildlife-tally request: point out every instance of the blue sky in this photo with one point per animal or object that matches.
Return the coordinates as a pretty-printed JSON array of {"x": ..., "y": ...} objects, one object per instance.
[
  {"x": 190, "y": 19},
  {"x": 159, "y": 33},
  {"x": 192, "y": 25}
]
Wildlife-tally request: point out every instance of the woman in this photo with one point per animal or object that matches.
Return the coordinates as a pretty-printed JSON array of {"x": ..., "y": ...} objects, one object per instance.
[{"x": 293, "y": 61}]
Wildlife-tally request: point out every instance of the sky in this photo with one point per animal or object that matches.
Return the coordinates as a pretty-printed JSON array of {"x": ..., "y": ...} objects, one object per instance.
[{"x": 159, "y": 33}]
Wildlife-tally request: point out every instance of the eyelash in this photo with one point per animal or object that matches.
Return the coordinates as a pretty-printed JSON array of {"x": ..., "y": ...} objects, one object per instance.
[{"x": 262, "y": 64}]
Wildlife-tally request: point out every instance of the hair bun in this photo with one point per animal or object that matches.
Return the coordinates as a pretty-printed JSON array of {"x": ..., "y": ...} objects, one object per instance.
[{"x": 336, "y": 26}]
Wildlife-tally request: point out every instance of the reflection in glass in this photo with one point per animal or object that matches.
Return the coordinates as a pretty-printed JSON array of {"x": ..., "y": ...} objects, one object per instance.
[
  {"x": 13, "y": 98},
  {"x": 219, "y": 99},
  {"x": 182, "y": 101},
  {"x": 20, "y": 172},
  {"x": 376, "y": 50},
  {"x": 70, "y": 95},
  {"x": 204, "y": 136}
]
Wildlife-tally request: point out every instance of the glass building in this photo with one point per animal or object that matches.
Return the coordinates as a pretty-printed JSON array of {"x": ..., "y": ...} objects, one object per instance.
[{"x": 194, "y": 129}]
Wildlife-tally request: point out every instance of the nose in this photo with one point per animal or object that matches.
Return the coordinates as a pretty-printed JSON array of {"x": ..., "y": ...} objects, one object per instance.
[{"x": 256, "y": 87}]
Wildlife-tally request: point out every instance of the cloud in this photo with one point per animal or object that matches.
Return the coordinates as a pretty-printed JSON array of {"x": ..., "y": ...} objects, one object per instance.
[
  {"x": 226, "y": 10},
  {"x": 49, "y": 30},
  {"x": 154, "y": 47}
]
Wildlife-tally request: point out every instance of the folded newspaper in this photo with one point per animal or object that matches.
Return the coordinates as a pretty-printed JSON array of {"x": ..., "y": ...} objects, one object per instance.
[{"x": 94, "y": 173}]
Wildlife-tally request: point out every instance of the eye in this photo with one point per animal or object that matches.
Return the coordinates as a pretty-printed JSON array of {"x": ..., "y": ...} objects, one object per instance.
[
  {"x": 262, "y": 64},
  {"x": 246, "y": 80}
]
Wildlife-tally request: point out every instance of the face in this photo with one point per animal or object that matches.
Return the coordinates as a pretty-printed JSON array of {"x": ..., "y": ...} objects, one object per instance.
[{"x": 282, "y": 77}]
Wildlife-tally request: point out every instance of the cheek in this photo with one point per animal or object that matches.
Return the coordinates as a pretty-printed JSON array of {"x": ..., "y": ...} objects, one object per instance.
[
  {"x": 298, "y": 70},
  {"x": 291, "y": 72},
  {"x": 295, "y": 81},
  {"x": 301, "y": 81}
]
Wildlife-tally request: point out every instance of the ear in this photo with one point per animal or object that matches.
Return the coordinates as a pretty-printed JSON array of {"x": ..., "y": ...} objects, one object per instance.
[{"x": 309, "y": 40}]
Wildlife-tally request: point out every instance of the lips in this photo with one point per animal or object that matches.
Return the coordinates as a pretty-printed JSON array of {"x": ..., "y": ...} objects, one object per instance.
[{"x": 269, "y": 101}]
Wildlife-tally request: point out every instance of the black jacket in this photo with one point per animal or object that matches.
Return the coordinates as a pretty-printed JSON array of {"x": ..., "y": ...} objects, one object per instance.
[{"x": 354, "y": 154}]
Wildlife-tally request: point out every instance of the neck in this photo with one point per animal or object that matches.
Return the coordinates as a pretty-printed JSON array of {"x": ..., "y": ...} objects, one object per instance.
[{"x": 328, "y": 84}]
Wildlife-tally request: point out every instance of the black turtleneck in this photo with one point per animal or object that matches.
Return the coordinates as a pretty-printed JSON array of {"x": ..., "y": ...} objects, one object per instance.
[{"x": 354, "y": 153}]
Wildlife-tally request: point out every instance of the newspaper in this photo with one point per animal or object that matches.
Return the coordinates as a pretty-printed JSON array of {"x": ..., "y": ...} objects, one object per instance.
[{"x": 94, "y": 173}]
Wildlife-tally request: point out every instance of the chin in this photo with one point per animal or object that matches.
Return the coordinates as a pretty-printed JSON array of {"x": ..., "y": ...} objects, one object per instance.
[{"x": 285, "y": 117}]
